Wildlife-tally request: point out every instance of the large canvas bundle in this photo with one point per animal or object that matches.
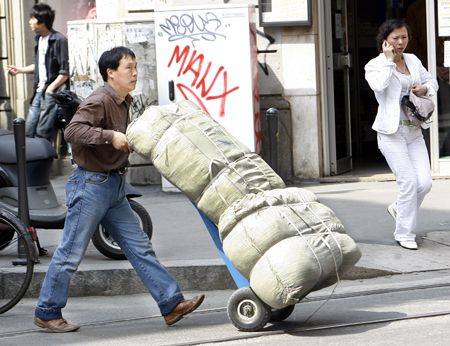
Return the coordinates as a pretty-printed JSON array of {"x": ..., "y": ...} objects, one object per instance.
[
  {"x": 286, "y": 243},
  {"x": 282, "y": 239},
  {"x": 199, "y": 156},
  {"x": 145, "y": 132},
  {"x": 183, "y": 142},
  {"x": 248, "y": 174}
]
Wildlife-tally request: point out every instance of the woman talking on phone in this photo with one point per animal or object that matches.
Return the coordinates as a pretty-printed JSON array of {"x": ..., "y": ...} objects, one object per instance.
[{"x": 392, "y": 75}]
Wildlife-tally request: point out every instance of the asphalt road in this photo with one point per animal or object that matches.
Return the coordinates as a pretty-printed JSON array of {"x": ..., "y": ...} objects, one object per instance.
[{"x": 390, "y": 310}]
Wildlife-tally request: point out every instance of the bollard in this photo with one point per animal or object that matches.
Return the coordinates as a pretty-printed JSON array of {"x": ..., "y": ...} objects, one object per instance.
[
  {"x": 19, "y": 138},
  {"x": 272, "y": 124}
]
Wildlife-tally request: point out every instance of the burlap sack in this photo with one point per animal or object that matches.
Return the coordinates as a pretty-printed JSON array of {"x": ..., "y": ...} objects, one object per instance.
[{"x": 286, "y": 243}]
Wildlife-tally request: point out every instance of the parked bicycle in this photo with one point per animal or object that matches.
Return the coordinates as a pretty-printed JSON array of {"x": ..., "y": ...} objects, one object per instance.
[{"x": 14, "y": 279}]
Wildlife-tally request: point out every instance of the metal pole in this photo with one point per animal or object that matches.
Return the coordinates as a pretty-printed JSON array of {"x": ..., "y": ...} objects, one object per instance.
[
  {"x": 19, "y": 138},
  {"x": 272, "y": 124}
]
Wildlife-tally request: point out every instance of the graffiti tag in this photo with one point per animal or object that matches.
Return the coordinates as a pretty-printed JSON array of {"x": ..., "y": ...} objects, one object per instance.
[
  {"x": 201, "y": 88},
  {"x": 192, "y": 27},
  {"x": 139, "y": 105}
]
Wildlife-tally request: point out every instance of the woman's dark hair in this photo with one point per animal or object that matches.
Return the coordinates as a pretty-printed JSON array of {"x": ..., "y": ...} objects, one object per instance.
[
  {"x": 387, "y": 27},
  {"x": 111, "y": 59},
  {"x": 44, "y": 14}
]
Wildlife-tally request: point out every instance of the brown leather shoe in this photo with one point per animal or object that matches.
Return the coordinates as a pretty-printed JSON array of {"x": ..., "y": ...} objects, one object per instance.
[
  {"x": 183, "y": 308},
  {"x": 59, "y": 325}
]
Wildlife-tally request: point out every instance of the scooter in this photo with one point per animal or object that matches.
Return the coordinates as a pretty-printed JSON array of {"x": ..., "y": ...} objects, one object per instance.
[{"x": 45, "y": 210}]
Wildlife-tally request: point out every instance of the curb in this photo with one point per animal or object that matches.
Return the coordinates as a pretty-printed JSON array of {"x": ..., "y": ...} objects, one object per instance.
[
  {"x": 195, "y": 277},
  {"x": 375, "y": 178},
  {"x": 110, "y": 282}
]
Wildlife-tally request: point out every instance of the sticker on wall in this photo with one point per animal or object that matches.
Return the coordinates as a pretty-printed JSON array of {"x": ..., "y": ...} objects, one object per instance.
[
  {"x": 443, "y": 9},
  {"x": 446, "y": 53}
]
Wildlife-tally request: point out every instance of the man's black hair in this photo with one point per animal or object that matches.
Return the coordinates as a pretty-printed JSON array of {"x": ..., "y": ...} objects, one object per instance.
[
  {"x": 44, "y": 14},
  {"x": 111, "y": 59}
]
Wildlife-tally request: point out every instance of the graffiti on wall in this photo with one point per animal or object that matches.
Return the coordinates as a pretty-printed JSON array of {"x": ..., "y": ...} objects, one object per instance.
[
  {"x": 206, "y": 55},
  {"x": 255, "y": 91},
  {"x": 203, "y": 78},
  {"x": 201, "y": 26}
]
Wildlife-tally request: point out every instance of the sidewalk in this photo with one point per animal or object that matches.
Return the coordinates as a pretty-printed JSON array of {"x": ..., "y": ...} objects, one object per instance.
[{"x": 183, "y": 244}]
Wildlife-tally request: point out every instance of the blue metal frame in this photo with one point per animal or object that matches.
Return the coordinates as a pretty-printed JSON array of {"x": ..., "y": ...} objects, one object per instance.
[{"x": 238, "y": 278}]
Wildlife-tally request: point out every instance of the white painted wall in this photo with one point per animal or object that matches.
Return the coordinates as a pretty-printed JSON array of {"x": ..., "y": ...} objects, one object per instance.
[
  {"x": 300, "y": 88},
  {"x": 206, "y": 64},
  {"x": 292, "y": 73}
]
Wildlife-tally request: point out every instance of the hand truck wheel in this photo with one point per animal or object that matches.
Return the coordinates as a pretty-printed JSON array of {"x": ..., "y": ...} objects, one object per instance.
[
  {"x": 246, "y": 311},
  {"x": 279, "y": 315}
]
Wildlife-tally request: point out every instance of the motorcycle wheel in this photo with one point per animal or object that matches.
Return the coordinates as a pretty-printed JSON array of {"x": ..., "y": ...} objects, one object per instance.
[{"x": 105, "y": 243}]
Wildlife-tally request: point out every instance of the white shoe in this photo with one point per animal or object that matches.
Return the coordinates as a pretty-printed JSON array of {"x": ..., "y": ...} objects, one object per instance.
[
  {"x": 391, "y": 210},
  {"x": 408, "y": 244}
]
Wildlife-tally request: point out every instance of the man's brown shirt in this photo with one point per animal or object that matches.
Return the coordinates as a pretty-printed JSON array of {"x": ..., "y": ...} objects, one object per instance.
[{"x": 91, "y": 130}]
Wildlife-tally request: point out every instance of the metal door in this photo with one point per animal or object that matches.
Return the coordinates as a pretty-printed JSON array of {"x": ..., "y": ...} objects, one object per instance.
[{"x": 338, "y": 61}]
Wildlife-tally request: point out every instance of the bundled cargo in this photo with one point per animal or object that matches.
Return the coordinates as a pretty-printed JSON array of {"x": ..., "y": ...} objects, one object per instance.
[
  {"x": 281, "y": 239},
  {"x": 199, "y": 156},
  {"x": 248, "y": 174},
  {"x": 286, "y": 243}
]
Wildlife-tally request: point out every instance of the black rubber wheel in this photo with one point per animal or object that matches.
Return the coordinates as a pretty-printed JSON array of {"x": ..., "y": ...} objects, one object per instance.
[
  {"x": 105, "y": 243},
  {"x": 246, "y": 311},
  {"x": 279, "y": 315},
  {"x": 15, "y": 278}
]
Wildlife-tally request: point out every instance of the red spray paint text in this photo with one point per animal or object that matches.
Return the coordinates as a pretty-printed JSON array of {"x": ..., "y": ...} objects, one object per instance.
[{"x": 202, "y": 85}]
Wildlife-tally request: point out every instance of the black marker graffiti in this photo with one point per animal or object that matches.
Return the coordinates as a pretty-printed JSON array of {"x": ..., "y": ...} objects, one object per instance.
[
  {"x": 193, "y": 27},
  {"x": 263, "y": 65},
  {"x": 139, "y": 105}
]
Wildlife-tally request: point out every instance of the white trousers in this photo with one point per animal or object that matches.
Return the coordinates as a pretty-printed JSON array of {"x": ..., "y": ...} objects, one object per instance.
[{"x": 407, "y": 156}]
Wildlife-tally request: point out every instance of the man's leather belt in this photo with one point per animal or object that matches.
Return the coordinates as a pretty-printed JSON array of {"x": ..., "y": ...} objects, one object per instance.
[{"x": 120, "y": 171}]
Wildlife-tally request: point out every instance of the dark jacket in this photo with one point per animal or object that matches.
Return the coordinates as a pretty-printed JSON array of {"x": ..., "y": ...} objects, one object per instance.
[{"x": 56, "y": 59}]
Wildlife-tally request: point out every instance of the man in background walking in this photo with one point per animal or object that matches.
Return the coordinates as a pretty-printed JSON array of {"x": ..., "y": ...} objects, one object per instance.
[{"x": 51, "y": 72}]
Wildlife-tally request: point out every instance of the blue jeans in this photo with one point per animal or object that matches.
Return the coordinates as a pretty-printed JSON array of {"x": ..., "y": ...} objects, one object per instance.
[
  {"x": 41, "y": 117},
  {"x": 93, "y": 198}
]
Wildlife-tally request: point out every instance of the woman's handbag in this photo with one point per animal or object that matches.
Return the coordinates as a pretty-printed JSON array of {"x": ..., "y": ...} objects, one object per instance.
[{"x": 419, "y": 107}]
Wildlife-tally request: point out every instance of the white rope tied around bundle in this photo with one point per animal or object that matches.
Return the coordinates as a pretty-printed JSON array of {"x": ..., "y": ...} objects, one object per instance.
[
  {"x": 295, "y": 212},
  {"x": 218, "y": 127},
  {"x": 338, "y": 279},
  {"x": 257, "y": 188},
  {"x": 235, "y": 185},
  {"x": 300, "y": 233},
  {"x": 183, "y": 118}
]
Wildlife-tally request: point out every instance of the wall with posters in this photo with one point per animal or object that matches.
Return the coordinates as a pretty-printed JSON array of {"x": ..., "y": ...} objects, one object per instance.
[
  {"x": 270, "y": 74},
  {"x": 89, "y": 39}
]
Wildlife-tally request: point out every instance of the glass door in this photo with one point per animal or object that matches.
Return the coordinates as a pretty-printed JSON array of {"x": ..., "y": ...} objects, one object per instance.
[
  {"x": 438, "y": 34},
  {"x": 338, "y": 80},
  {"x": 442, "y": 37}
]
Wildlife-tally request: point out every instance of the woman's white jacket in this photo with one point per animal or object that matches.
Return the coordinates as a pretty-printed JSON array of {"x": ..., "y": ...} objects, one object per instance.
[{"x": 387, "y": 87}]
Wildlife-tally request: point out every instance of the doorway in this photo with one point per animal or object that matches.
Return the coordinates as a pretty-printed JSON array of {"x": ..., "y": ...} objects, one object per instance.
[{"x": 350, "y": 29}]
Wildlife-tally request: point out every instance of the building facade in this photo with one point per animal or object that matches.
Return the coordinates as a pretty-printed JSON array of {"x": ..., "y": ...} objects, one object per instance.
[{"x": 311, "y": 57}]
